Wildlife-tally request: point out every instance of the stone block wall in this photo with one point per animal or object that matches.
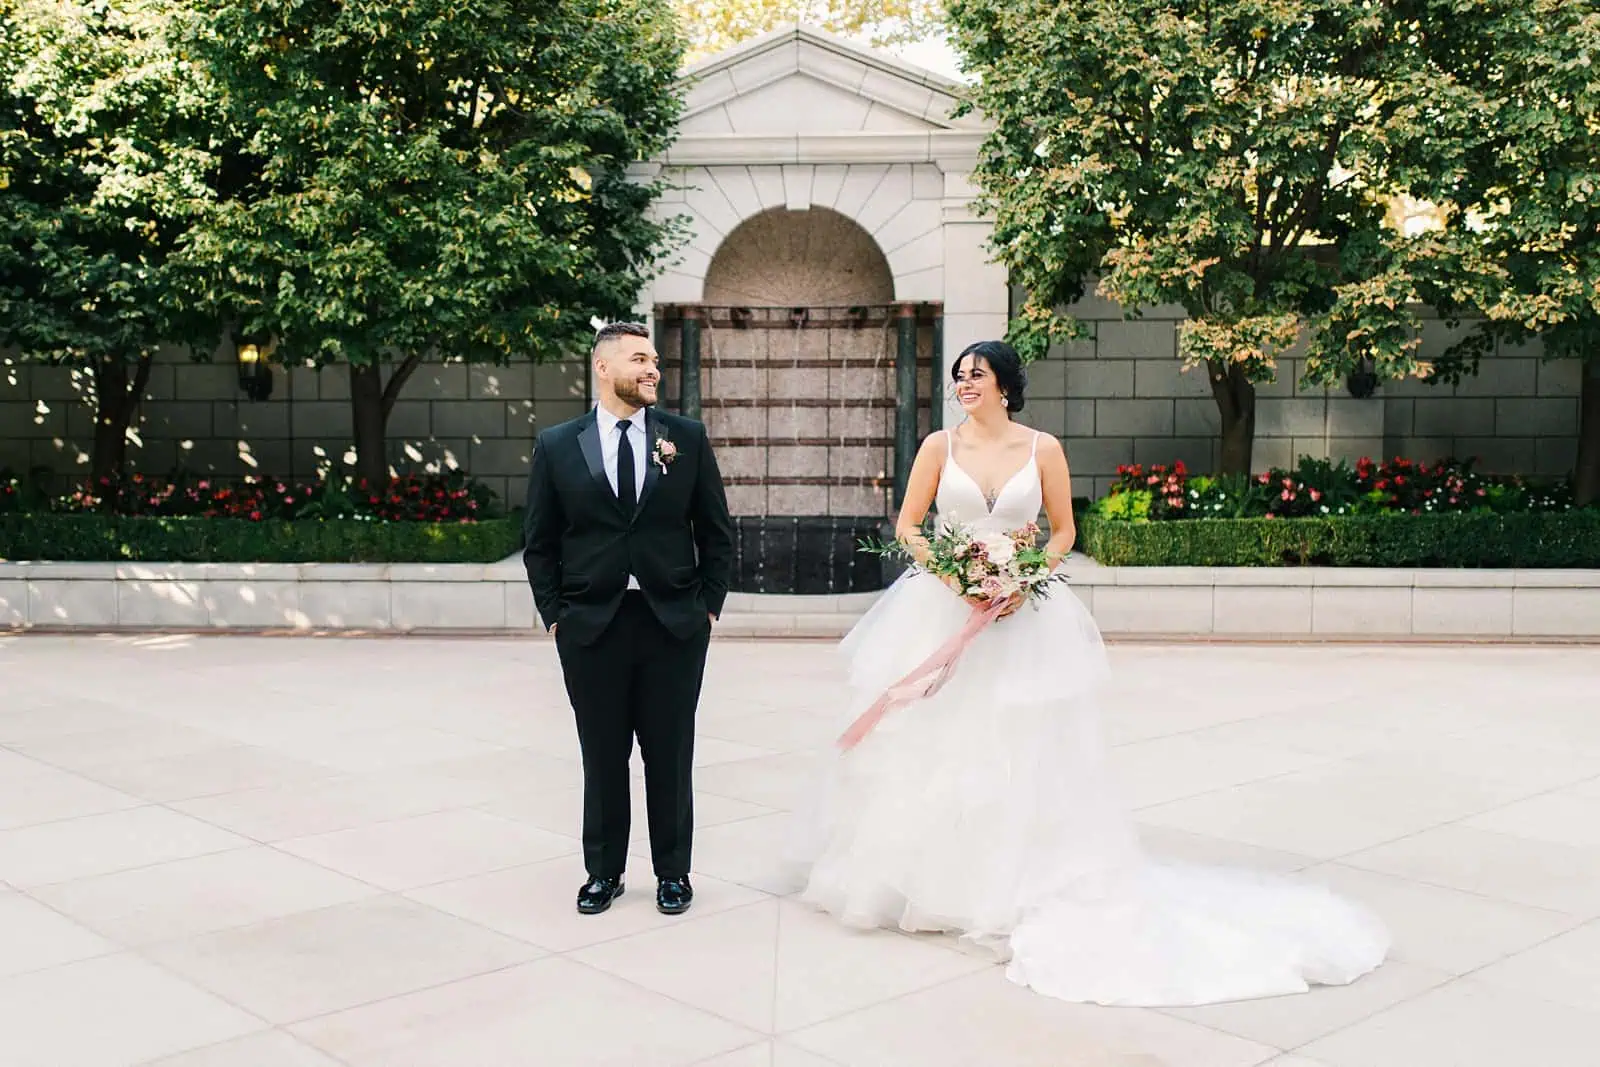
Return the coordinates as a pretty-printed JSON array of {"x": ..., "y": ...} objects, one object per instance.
[
  {"x": 194, "y": 416},
  {"x": 1122, "y": 396}
]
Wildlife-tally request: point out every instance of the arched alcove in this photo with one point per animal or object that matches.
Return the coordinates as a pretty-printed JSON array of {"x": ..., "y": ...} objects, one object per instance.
[{"x": 812, "y": 258}]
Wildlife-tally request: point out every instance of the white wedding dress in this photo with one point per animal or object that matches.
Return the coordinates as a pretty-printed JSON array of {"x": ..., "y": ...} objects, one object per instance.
[{"x": 989, "y": 810}]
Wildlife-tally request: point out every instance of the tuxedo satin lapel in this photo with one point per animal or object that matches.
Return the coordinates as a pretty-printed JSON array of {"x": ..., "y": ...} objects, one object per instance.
[
  {"x": 654, "y": 430},
  {"x": 589, "y": 443}
]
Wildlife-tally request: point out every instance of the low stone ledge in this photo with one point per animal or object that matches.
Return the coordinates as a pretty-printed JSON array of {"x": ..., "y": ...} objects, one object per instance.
[{"x": 1309, "y": 603}]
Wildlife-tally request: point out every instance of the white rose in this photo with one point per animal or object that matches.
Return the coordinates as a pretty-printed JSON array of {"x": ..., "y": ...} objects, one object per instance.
[{"x": 1000, "y": 549}]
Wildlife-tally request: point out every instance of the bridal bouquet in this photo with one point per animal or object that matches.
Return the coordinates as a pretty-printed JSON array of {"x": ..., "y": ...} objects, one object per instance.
[
  {"x": 989, "y": 570},
  {"x": 991, "y": 567}
]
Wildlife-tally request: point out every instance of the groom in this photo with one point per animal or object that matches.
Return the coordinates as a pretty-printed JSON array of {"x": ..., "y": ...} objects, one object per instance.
[{"x": 629, "y": 548}]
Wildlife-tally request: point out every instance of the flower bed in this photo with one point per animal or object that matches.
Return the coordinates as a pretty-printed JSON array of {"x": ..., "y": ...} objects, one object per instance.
[
  {"x": 449, "y": 497},
  {"x": 1395, "y": 514},
  {"x": 424, "y": 519}
]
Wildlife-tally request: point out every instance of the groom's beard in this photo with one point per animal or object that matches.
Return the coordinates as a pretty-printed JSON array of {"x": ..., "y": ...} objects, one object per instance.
[{"x": 630, "y": 394}]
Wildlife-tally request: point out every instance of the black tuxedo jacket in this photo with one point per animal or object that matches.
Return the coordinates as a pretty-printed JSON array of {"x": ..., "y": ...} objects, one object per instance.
[{"x": 580, "y": 546}]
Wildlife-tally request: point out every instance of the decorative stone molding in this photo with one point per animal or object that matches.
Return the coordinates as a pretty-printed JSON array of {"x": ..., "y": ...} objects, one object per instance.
[{"x": 950, "y": 150}]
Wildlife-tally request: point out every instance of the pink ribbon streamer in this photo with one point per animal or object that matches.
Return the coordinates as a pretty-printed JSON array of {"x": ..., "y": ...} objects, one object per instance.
[{"x": 926, "y": 679}]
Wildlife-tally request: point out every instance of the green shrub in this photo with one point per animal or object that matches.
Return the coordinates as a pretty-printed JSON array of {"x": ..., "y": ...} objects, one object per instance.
[
  {"x": 99, "y": 537},
  {"x": 1537, "y": 539}
]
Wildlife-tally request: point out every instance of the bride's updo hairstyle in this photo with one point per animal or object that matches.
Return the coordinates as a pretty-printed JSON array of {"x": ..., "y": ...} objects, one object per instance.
[{"x": 1004, "y": 364}]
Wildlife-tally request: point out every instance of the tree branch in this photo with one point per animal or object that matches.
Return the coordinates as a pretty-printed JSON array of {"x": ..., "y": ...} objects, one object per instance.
[
  {"x": 1299, "y": 220},
  {"x": 141, "y": 379},
  {"x": 397, "y": 381}
]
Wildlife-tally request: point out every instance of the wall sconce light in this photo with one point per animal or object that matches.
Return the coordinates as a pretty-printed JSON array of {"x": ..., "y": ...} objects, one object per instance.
[
  {"x": 1363, "y": 381},
  {"x": 798, "y": 317},
  {"x": 255, "y": 372},
  {"x": 742, "y": 317}
]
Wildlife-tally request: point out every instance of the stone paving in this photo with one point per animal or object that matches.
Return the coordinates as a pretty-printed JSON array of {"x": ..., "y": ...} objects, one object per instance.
[{"x": 276, "y": 852}]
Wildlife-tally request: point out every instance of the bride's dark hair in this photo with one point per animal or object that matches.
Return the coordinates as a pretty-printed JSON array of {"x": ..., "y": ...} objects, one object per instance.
[{"x": 1006, "y": 366}]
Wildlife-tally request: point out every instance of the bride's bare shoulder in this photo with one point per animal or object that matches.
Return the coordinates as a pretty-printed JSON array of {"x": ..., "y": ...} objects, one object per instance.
[
  {"x": 936, "y": 442},
  {"x": 1050, "y": 445}
]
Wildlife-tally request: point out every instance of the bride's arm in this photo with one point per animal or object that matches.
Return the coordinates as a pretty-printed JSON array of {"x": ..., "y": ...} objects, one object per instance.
[
  {"x": 920, "y": 490},
  {"x": 1057, "y": 482}
]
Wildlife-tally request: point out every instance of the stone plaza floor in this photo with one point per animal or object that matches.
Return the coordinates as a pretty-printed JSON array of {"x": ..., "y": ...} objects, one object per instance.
[{"x": 293, "y": 852}]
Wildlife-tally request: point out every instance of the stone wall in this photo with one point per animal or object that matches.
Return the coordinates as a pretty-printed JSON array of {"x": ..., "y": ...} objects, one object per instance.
[
  {"x": 195, "y": 417},
  {"x": 1119, "y": 397},
  {"x": 1122, "y": 396}
]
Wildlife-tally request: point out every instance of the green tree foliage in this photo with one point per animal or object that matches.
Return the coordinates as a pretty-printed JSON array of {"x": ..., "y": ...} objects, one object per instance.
[
  {"x": 714, "y": 25},
  {"x": 105, "y": 162},
  {"x": 1521, "y": 242},
  {"x": 1237, "y": 159},
  {"x": 433, "y": 180}
]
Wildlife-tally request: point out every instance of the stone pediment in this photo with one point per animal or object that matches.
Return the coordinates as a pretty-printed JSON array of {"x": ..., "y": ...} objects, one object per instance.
[{"x": 805, "y": 81}]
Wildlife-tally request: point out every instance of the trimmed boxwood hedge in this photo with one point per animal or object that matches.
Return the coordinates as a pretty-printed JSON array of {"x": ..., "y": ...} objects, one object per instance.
[
  {"x": 1523, "y": 540},
  {"x": 99, "y": 538}
]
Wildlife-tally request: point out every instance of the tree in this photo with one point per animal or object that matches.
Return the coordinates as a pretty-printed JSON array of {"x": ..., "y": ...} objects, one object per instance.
[
  {"x": 1521, "y": 236},
  {"x": 714, "y": 25},
  {"x": 431, "y": 184},
  {"x": 1237, "y": 159},
  {"x": 104, "y": 165}
]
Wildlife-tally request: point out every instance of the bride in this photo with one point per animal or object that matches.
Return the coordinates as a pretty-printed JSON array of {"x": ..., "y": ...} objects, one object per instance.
[{"x": 988, "y": 809}]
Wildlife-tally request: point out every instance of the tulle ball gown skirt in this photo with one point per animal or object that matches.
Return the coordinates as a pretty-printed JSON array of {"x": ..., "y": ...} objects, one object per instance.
[{"x": 988, "y": 811}]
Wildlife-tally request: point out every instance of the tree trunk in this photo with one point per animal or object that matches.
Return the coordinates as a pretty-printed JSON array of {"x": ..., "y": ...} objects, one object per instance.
[
  {"x": 1586, "y": 472},
  {"x": 1236, "y": 402},
  {"x": 116, "y": 400},
  {"x": 370, "y": 421},
  {"x": 371, "y": 401}
]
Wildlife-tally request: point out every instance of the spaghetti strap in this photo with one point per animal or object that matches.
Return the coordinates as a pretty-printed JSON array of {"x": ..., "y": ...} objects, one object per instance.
[{"x": 1035, "y": 452}]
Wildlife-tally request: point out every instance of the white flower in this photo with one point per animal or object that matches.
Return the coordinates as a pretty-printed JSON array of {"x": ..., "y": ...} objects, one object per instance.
[{"x": 999, "y": 548}]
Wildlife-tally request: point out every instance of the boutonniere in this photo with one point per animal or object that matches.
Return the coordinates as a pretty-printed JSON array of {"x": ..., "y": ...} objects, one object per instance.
[{"x": 665, "y": 452}]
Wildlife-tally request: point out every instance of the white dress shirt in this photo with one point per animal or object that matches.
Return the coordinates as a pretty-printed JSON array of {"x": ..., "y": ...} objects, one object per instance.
[{"x": 610, "y": 441}]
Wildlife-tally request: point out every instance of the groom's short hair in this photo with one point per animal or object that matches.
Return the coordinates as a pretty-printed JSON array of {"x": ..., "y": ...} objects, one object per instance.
[{"x": 613, "y": 330}]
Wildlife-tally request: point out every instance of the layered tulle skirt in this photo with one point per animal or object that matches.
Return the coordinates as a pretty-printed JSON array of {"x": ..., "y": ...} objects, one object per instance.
[{"x": 988, "y": 811}]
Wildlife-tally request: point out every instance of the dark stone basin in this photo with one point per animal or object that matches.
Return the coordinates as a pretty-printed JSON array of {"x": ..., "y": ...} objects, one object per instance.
[{"x": 809, "y": 555}]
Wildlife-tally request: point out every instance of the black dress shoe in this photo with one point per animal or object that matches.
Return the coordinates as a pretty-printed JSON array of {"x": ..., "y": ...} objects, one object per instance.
[
  {"x": 673, "y": 895},
  {"x": 597, "y": 894}
]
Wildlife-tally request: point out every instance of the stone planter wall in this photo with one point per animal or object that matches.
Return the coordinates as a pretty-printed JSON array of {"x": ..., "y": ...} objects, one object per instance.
[{"x": 1307, "y": 603}]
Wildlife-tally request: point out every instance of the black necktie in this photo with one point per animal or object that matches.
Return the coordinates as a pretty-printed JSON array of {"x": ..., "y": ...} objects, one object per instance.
[{"x": 627, "y": 487}]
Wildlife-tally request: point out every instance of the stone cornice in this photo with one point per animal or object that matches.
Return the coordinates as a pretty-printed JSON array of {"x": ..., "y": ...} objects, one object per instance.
[{"x": 949, "y": 149}]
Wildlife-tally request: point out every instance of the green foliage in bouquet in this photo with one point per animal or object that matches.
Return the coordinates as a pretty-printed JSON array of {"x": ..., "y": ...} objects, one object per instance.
[{"x": 981, "y": 567}]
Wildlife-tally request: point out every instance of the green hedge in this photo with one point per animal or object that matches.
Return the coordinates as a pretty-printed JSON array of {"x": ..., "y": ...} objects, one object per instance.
[
  {"x": 1524, "y": 540},
  {"x": 96, "y": 538}
]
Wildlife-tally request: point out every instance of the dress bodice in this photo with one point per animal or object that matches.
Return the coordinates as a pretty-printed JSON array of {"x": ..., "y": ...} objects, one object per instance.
[{"x": 961, "y": 503}]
